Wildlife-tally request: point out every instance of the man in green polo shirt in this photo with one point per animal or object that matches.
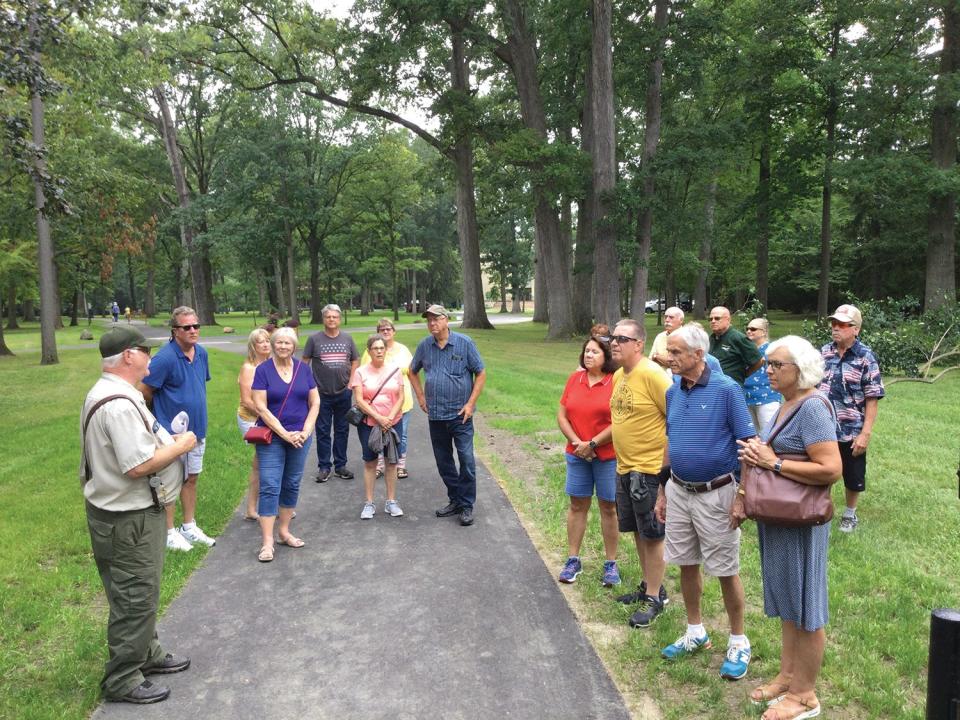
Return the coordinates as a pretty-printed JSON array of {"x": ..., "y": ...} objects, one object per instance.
[{"x": 737, "y": 355}]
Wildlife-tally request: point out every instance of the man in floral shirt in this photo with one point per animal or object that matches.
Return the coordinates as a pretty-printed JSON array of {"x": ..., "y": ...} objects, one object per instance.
[{"x": 852, "y": 382}]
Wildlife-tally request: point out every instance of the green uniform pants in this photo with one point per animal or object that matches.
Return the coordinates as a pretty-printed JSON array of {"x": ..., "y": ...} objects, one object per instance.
[{"x": 129, "y": 548}]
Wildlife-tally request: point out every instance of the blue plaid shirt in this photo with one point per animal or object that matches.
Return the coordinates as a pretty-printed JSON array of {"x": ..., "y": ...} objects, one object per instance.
[
  {"x": 449, "y": 373},
  {"x": 848, "y": 381}
]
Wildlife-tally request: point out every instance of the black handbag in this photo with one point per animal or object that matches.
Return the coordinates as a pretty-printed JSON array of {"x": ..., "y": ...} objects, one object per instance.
[{"x": 355, "y": 416}]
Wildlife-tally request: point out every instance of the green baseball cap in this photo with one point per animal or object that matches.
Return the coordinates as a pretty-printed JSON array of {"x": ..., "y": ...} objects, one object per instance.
[{"x": 123, "y": 337}]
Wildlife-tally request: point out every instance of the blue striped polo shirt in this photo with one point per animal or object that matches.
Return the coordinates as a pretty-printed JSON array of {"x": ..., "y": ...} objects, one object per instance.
[
  {"x": 449, "y": 373},
  {"x": 703, "y": 425}
]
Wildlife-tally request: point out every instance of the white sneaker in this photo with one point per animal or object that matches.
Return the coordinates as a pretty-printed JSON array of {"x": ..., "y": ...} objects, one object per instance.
[
  {"x": 196, "y": 535},
  {"x": 176, "y": 541},
  {"x": 369, "y": 510},
  {"x": 392, "y": 507}
]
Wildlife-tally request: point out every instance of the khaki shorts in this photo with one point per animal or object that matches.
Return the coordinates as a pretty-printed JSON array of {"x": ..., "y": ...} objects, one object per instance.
[{"x": 698, "y": 530}]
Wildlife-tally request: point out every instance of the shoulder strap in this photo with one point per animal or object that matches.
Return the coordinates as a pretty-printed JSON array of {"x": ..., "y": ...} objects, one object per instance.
[
  {"x": 86, "y": 423},
  {"x": 780, "y": 426},
  {"x": 384, "y": 383},
  {"x": 296, "y": 369}
]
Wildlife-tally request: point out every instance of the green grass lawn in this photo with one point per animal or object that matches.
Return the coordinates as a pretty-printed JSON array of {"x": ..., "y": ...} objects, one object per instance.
[{"x": 884, "y": 579}]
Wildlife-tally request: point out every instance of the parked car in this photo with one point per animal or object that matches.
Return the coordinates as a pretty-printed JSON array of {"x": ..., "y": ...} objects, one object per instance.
[{"x": 651, "y": 306}]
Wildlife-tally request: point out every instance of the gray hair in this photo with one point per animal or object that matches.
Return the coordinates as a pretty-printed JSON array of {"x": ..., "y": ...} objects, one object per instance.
[
  {"x": 637, "y": 326},
  {"x": 694, "y": 336},
  {"x": 331, "y": 307},
  {"x": 763, "y": 323},
  {"x": 286, "y": 332},
  {"x": 808, "y": 359},
  {"x": 108, "y": 363},
  {"x": 374, "y": 338},
  {"x": 179, "y": 312},
  {"x": 674, "y": 311}
]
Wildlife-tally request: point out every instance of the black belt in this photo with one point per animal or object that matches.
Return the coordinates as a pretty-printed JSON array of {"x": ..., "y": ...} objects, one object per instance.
[{"x": 716, "y": 483}]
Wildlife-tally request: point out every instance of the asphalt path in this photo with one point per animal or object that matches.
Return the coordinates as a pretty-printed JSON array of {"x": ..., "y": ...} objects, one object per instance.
[{"x": 404, "y": 618}]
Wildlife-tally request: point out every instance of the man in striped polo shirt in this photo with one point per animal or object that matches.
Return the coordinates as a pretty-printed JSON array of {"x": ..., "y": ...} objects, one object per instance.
[
  {"x": 706, "y": 415},
  {"x": 454, "y": 378}
]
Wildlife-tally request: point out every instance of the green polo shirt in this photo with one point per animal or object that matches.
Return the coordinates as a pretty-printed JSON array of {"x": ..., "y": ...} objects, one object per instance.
[{"x": 735, "y": 353}]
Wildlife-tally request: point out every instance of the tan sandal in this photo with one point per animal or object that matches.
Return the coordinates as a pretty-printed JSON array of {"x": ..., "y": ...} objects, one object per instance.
[
  {"x": 781, "y": 710},
  {"x": 291, "y": 541},
  {"x": 266, "y": 554},
  {"x": 770, "y": 693}
]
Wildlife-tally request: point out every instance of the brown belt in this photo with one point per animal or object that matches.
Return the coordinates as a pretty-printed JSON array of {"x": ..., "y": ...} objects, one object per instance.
[{"x": 716, "y": 483}]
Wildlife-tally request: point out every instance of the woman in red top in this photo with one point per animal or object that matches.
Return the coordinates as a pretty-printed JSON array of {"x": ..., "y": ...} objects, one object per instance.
[{"x": 584, "y": 419}]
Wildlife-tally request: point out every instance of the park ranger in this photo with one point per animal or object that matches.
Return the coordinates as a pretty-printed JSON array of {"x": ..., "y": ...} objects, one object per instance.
[{"x": 129, "y": 471}]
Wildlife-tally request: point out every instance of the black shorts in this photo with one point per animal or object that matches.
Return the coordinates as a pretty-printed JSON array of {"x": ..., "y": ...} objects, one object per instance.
[
  {"x": 854, "y": 468},
  {"x": 630, "y": 520}
]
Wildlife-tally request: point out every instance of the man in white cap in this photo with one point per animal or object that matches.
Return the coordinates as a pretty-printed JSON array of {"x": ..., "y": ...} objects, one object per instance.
[
  {"x": 852, "y": 382},
  {"x": 672, "y": 319},
  {"x": 455, "y": 377}
]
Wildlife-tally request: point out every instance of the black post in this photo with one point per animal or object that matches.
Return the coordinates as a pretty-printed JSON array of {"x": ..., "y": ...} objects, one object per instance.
[{"x": 943, "y": 673}]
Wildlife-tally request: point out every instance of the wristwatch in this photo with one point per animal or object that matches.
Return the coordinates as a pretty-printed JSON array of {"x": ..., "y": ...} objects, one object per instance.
[
  {"x": 592, "y": 444},
  {"x": 777, "y": 465}
]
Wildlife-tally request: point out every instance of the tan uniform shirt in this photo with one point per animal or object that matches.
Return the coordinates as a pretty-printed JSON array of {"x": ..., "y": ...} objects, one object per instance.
[{"x": 116, "y": 442}]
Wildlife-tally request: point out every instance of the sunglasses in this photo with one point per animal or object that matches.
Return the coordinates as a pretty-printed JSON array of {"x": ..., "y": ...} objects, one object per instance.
[
  {"x": 144, "y": 350},
  {"x": 620, "y": 339},
  {"x": 837, "y": 323},
  {"x": 716, "y": 317},
  {"x": 385, "y": 329},
  {"x": 753, "y": 329},
  {"x": 194, "y": 326},
  {"x": 778, "y": 364}
]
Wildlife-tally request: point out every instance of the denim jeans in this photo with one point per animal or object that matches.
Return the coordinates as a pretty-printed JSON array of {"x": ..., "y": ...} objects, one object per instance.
[
  {"x": 445, "y": 435},
  {"x": 333, "y": 415},
  {"x": 281, "y": 468}
]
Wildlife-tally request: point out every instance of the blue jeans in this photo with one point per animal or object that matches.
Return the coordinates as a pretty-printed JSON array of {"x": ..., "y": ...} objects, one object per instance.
[
  {"x": 281, "y": 467},
  {"x": 333, "y": 415},
  {"x": 444, "y": 436},
  {"x": 402, "y": 432}
]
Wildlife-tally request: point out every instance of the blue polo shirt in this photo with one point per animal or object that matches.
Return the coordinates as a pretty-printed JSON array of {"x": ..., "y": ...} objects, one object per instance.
[
  {"x": 449, "y": 373},
  {"x": 179, "y": 384},
  {"x": 704, "y": 423}
]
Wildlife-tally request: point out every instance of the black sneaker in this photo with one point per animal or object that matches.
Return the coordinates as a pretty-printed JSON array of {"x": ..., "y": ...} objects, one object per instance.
[
  {"x": 650, "y": 609},
  {"x": 640, "y": 593},
  {"x": 343, "y": 473},
  {"x": 143, "y": 694},
  {"x": 170, "y": 664},
  {"x": 323, "y": 475}
]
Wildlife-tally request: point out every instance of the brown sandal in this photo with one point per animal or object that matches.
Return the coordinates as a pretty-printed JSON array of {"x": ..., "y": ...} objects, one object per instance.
[{"x": 770, "y": 693}]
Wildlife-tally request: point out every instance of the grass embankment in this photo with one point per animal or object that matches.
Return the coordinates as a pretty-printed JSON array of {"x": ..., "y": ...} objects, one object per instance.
[
  {"x": 884, "y": 579},
  {"x": 51, "y": 601}
]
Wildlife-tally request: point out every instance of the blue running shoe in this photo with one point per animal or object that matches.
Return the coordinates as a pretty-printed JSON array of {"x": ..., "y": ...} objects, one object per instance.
[
  {"x": 735, "y": 666},
  {"x": 685, "y": 645},
  {"x": 571, "y": 569},
  {"x": 611, "y": 574}
]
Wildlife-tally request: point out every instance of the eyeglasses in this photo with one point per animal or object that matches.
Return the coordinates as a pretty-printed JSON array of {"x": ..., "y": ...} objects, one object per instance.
[
  {"x": 620, "y": 339},
  {"x": 385, "y": 329},
  {"x": 753, "y": 329},
  {"x": 778, "y": 364},
  {"x": 144, "y": 350},
  {"x": 837, "y": 323},
  {"x": 716, "y": 317},
  {"x": 193, "y": 326}
]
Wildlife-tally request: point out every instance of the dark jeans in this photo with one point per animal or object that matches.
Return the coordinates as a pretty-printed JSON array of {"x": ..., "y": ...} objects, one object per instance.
[
  {"x": 129, "y": 548},
  {"x": 333, "y": 415},
  {"x": 444, "y": 436}
]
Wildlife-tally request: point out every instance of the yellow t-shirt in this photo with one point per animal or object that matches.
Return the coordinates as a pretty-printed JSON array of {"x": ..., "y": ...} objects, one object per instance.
[{"x": 638, "y": 409}]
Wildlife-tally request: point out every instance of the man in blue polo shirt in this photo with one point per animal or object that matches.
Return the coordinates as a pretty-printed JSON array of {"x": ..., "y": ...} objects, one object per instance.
[
  {"x": 706, "y": 415},
  {"x": 177, "y": 383},
  {"x": 454, "y": 376}
]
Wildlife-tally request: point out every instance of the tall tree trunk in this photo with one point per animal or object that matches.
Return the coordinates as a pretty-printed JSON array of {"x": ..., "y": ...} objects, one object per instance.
[
  {"x": 4, "y": 350},
  {"x": 583, "y": 296},
  {"x": 49, "y": 300},
  {"x": 29, "y": 310},
  {"x": 830, "y": 119},
  {"x": 150, "y": 290},
  {"x": 940, "y": 278},
  {"x": 763, "y": 214},
  {"x": 706, "y": 251},
  {"x": 291, "y": 279},
  {"x": 202, "y": 292},
  {"x": 75, "y": 308},
  {"x": 522, "y": 47},
  {"x": 474, "y": 308},
  {"x": 313, "y": 250},
  {"x": 262, "y": 295},
  {"x": 278, "y": 281},
  {"x": 12, "y": 307},
  {"x": 604, "y": 150},
  {"x": 541, "y": 293},
  {"x": 130, "y": 283},
  {"x": 651, "y": 138}
]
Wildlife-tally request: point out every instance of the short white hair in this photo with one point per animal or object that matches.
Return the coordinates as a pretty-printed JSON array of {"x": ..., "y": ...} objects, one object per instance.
[
  {"x": 808, "y": 359},
  {"x": 108, "y": 363},
  {"x": 287, "y": 332},
  {"x": 331, "y": 307},
  {"x": 694, "y": 336}
]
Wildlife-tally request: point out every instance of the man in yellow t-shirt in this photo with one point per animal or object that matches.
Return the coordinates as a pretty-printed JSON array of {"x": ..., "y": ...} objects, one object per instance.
[{"x": 638, "y": 409}]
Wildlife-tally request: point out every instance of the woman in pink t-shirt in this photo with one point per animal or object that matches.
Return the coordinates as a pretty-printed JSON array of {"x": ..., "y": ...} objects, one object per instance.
[{"x": 383, "y": 411}]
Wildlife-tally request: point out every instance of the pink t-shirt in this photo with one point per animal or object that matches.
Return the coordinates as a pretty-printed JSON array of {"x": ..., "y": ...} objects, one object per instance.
[{"x": 370, "y": 378}]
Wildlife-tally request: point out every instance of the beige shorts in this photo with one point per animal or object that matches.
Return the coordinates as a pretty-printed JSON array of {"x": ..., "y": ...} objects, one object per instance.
[{"x": 698, "y": 530}]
